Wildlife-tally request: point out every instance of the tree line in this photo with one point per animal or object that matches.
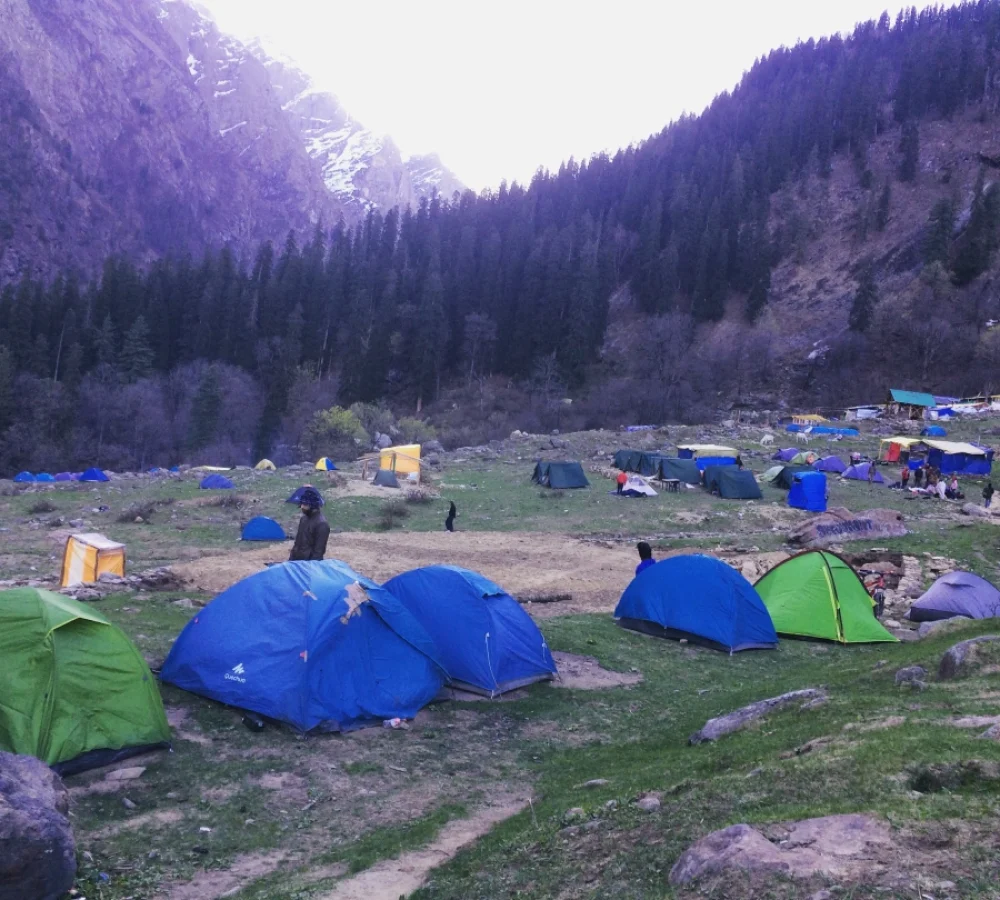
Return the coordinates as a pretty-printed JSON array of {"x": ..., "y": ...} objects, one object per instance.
[{"x": 516, "y": 283}]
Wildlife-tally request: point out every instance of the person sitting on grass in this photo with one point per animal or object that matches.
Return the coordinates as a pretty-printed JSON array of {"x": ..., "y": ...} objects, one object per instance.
[
  {"x": 645, "y": 557},
  {"x": 313, "y": 532}
]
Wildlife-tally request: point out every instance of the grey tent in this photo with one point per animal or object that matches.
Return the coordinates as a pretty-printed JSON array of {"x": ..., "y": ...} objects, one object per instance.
[
  {"x": 786, "y": 477},
  {"x": 957, "y": 594},
  {"x": 685, "y": 470},
  {"x": 560, "y": 475},
  {"x": 732, "y": 483},
  {"x": 386, "y": 478}
]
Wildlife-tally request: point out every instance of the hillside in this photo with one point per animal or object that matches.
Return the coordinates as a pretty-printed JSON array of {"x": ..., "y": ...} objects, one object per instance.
[
  {"x": 141, "y": 130},
  {"x": 825, "y": 230}
]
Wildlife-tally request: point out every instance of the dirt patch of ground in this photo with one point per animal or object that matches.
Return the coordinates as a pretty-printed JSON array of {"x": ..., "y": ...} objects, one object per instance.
[
  {"x": 155, "y": 819},
  {"x": 176, "y": 717},
  {"x": 584, "y": 673},
  {"x": 216, "y": 883},
  {"x": 392, "y": 879},
  {"x": 592, "y": 574}
]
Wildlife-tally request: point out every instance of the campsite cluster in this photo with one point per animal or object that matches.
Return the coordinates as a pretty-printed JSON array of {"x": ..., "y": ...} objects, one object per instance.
[{"x": 318, "y": 647}]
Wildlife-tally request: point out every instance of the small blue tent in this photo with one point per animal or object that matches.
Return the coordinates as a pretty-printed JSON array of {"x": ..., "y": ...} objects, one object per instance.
[
  {"x": 24, "y": 477},
  {"x": 64, "y": 476},
  {"x": 934, "y": 431},
  {"x": 311, "y": 644},
  {"x": 786, "y": 455},
  {"x": 859, "y": 472},
  {"x": 94, "y": 475},
  {"x": 176, "y": 470},
  {"x": 808, "y": 491},
  {"x": 296, "y": 497},
  {"x": 216, "y": 482},
  {"x": 830, "y": 464},
  {"x": 699, "y": 598},
  {"x": 261, "y": 528},
  {"x": 485, "y": 640},
  {"x": 44, "y": 476}
]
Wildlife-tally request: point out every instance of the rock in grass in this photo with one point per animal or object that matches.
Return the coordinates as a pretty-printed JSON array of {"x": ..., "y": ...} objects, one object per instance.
[
  {"x": 595, "y": 783},
  {"x": 992, "y": 734},
  {"x": 720, "y": 726},
  {"x": 37, "y": 850},
  {"x": 955, "y": 660},
  {"x": 909, "y": 674},
  {"x": 649, "y": 804},
  {"x": 933, "y": 777}
]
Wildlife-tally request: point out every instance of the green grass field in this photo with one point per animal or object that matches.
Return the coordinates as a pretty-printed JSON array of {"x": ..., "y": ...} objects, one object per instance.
[{"x": 290, "y": 818}]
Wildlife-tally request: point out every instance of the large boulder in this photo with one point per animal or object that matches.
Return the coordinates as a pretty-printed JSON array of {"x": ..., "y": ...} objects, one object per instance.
[
  {"x": 433, "y": 447},
  {"x": 960, "y": 659},
  {"x": 715, "y": 728},
  {"x": 831, "y": 845},
  {"x": 838, "y": 524},
  {"x": 37, "y": 850}
]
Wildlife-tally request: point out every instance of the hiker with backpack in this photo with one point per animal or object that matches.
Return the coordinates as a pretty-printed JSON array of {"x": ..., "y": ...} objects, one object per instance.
[{"x": 988, "y": 494}]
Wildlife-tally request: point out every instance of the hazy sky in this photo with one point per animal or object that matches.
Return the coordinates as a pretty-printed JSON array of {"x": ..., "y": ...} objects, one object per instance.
[{"x": 501, "y": 88}]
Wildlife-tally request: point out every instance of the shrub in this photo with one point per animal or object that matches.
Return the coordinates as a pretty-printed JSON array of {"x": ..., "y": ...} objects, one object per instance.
[
  {"x": 374, "y": 418},
  {"x": 420, "y": 495},
  {"x": 143, "y": 510},
  {"x": 335, "y": 431},
  {"x": 42, "y": 506},
  {"x": 228, "y": 501},
  {"x": 416, "y": 431},
  {"x": 392, "y": 514}
]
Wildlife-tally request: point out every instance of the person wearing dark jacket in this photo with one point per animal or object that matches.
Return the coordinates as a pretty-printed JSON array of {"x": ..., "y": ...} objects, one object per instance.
[
  {"x": 449, "y": 523},
  {"x": 313, "y": 533}
]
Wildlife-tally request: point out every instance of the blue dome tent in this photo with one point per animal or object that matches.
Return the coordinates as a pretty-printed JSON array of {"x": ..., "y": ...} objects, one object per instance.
[
  {"x": 296, "y": 497},
  {"x": 699, "y": 598},
  {"x": 808, "y": 491},
  {"x": 485, "y": 640},
  {"x": 94, "y": 475},
  {"x": 830, "y": 464},
  {"x": 261, "y": 528},
  {"x": 310, "y": 644},
  {"x": 24, "y": 478},
  {"x": 934, "y": 431},
  {"x": 859, "y": 472},
  {"x": 215, "y": 483},
  {"x": 44, "y": 476},
  {"x": 176, "y": 470},
  {"x": 64, "y": 476}
]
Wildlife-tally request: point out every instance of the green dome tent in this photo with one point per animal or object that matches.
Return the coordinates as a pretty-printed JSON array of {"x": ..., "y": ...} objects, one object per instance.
[
  {"x": 816, "y": 594},
  {"x": 76, "y": 693}
]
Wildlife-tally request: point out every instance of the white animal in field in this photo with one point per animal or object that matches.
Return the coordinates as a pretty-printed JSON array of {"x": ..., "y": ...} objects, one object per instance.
[
  {"x": 802, "y": 437},
  {"x": 767, "y": 440}
]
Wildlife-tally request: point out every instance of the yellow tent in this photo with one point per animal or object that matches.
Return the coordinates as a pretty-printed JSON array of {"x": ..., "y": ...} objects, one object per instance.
[
  {"x": 325, "y": 465},
  {"x": 265, "y": 465},
  {"x": 401, "y": 460},
  {"x": 88, "y": 556}
]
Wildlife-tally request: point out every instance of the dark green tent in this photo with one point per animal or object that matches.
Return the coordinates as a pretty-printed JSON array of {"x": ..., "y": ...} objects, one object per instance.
[
  {"x": 637, "y": 461},
  {"x": 560, "y": 475},
  {"x": 786, "y": 477},
  {"x": 732, "y": 483},
  {"x": 386, "y": 478},
  {"x": 685, "y": 470},
  {"x": 76, "y": 692}
]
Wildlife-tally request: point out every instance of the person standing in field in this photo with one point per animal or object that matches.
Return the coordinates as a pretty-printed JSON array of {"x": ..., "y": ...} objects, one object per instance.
[
  {"x": 621, "y": 481},
  {"x": 313, "y": 532},
  {"x": 988, "y": 494},
  {"x": 449, "y": 523},
  {"x": 645, "y": 557}
]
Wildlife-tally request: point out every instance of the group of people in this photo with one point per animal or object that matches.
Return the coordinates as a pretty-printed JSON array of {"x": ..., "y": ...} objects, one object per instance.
[{"x": 930, "y": 481}]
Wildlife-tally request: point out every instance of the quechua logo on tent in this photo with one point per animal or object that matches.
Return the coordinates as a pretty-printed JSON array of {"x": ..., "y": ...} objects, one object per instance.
[{"x": 236, "y": 674}]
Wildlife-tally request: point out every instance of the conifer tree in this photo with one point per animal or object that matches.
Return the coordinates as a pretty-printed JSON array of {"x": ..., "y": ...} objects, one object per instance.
[
  {"x": 884, "y": 207},
  {"x": 909, "y": 149},
  {"x": 939, "y": 230},
  {"x": 136, "y": 359},
  {"x": 205, "y": 410},
  {"x": 6, "y": 387},
  {"x": 865, "y": 300}
]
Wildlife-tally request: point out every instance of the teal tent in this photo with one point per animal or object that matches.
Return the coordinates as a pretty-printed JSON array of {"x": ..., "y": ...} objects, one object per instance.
[{"x": 560, "y": 475}]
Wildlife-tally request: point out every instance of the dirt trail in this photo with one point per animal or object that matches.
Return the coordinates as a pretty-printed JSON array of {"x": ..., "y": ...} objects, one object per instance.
[
  {"x": 214, "y": 884},
  {"x": 593, "y": 575},
  {"x": 395, "y": 878}
]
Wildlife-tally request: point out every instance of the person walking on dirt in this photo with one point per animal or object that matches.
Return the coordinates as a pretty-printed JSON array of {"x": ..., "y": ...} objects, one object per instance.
[
  {"x": 449, "y": 523},
  {"x": 988, "y": 494},
  {"x": 313, "y": 532},
  {"x": 621, "y": 481},
  {"x": 645, "y": 557}
]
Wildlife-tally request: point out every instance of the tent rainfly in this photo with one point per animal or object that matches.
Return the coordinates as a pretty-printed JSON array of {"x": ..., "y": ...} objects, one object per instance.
[
  {"x": 731, "y": 483},
  {"x": 957, "y": 594},
  {"x": 386, "y": 478},
  {"x": 79, "y": 694},
  {"x": 265, "y": 465},
  {"x": 326, "y": 465},
  {"x": 560, "y": 475},
  {"x": 88, "y": 556},
  {"x": 261, "y": 528},
  {"x": 94, "y": 475},
  {"x": 706, "y": 455},
  {"x": 216, "y": 483},
  {"x": 296, "y": 497},
  {"x": 685, "y": 470}
]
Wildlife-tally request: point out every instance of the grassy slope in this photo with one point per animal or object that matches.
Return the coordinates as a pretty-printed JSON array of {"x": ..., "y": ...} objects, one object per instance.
[{"x": 378, "y": 794}]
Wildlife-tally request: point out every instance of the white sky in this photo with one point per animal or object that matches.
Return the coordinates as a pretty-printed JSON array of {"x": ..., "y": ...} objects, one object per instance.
[{"x": 501, "y": 87}]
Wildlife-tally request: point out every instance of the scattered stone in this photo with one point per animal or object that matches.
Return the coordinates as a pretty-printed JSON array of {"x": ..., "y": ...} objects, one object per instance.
[
  {"x": 184, "y": 603},
  {"x": 37, "y": 850},
  {"x": 110, "y": 578},
  {"x": 611, "y": 805},
  {"x": 740, "y": 718},
  {"x": 957, "y": 658},
  {"x": 978, "y": 512},
  {"x": 909, "y": 674},
  {"x": 992, "y": 734},
  {"x": 943, "y": 626},
  {"x": 129, "y": 774},
  {"x": 892, "y": 623},
  {"x": 128, "y": 804},
  {"x": 649, "y": 804},
  {"x": 822, "y": 895},
  {"x": 592, "y": 825},
  {"x": 576, "y": 812},
  {"x": 433, "y": 447},
  {"x": 807, "y": 747},
  {"x": 824, "y": 846},
  {"x": 595, "y": 783}
]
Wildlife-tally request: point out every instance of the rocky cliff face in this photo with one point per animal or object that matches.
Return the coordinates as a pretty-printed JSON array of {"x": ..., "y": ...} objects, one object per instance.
[{"x": 136, "y": 127}]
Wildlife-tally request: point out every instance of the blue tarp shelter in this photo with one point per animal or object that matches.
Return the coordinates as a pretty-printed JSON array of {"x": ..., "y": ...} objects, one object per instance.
[
  {"x": 706, "y": 455},
  {"x": 830, "y": 464},
  {"x": 44, "y": 476},
  {"x": 94, "y": 475},
  {"x": 484, "y": 639},
  {"x": 311, "y": 644},
  {"x": 296, "y": 497},
  {"x": 859, "y": 472},
  {"x": 24, "y": 478},
  {"x": 961, "y": 463},
  {"x": 216, "y": 482},
  {"x": 261, "y": 528},
  {"x": 934, "y": 431},
  {"x": 831, "y": 429},
  {"x": 808, "y": 492},
  {"x": 699, "y": 598}
]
